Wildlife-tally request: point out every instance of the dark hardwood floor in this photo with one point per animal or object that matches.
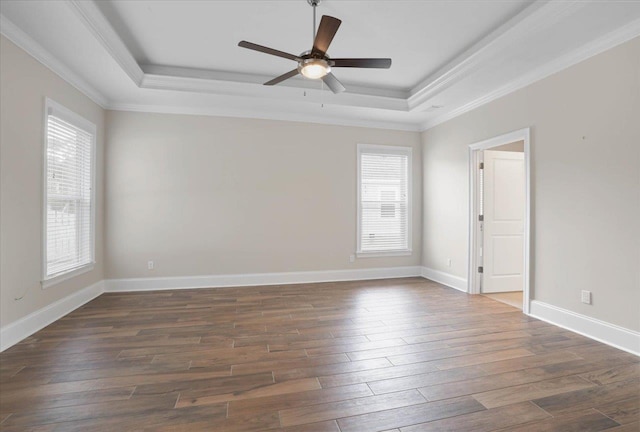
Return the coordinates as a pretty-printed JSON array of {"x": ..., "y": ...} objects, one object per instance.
[{"x": 389, "y": 355}]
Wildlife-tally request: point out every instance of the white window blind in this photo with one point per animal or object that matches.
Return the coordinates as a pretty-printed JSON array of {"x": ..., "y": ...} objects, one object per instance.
[
  {"x": 68, "y": 192},
  {"x": 384, "y": 208}
]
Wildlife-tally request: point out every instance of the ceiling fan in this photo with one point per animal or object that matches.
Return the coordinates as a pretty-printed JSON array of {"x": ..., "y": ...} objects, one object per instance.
[{"x": 316, "y": 64}]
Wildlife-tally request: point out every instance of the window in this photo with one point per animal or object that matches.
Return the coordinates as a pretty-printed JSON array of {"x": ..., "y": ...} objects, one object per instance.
[
  {"x": 68, "y": 194},
  {"x": 384, "y": 200},
  {"x": 388, "y": 209}
]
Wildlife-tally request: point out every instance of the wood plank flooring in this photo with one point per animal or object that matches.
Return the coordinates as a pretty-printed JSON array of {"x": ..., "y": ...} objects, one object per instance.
[
  {"x": 513, "y": 298},
  {"x": 387, "y": 355}
]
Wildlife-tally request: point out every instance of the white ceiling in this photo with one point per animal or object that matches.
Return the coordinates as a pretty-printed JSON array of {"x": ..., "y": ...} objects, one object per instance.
[
  {"x": 182, "y": 56},
  {"x": 205, "y": 35}
]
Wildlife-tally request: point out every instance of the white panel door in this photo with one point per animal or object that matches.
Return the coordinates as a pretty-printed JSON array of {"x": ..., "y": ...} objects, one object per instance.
[{"x": 503, "y": 230}]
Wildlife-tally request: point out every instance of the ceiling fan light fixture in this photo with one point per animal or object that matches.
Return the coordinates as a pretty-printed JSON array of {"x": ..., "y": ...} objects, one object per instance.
[{"x": 314, "y": 68}]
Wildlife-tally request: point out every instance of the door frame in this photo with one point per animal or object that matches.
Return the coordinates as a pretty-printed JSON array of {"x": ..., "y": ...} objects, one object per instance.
[{"x": 473, "y": 285}]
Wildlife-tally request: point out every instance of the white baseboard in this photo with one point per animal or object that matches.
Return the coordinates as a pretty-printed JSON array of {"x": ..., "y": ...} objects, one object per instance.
[
  {"x": 610, "y": 334},
  {"x": 445, "y": 278},
  {"x": 13, "y": 333},
  {"x": 238, "y": 280}
]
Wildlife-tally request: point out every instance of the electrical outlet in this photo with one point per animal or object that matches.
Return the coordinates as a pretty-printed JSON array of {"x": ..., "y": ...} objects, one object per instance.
[
  {"x": 150, "y": 265},
  {"x": 449, "y": 262},
  {"x": 586, "y": 297},
  {"x": 352, "y": 258}
]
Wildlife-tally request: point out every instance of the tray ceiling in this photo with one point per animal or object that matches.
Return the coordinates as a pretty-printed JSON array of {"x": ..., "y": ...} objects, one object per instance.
[{"x": 182, "y": 56}]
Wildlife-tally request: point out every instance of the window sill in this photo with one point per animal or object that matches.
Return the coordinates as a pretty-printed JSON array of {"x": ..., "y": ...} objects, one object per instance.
[
  {"x": 375, "y": 254},
  {"x": 67, "y": 275}
]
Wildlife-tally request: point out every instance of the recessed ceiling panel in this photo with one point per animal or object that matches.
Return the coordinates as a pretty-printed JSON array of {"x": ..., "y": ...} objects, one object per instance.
[
  {"x": 182, "y": 56},
  {"x": 418, "y": 35}
]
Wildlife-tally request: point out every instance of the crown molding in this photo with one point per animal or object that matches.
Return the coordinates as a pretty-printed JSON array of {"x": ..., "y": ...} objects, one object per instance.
[
  {"x": 300, "y": 94},
  {"x": 160, "y": 71},
  {"x": 217, "y": 82},
  {"x": 101, "y": 28},
  {"x": 540, "y": 14},
  {"x": 534, "y": 18},
  {"x": 35, "y": 50},
  {"x": 208, "y": 81},
  {"x": 367, "y": 103},
  {"x": 317, "y": 118},
  {"x": 607, "y": 42}
]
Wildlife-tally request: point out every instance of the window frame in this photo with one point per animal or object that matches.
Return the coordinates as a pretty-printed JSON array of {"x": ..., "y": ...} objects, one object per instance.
[
  {"x": 392, "y": 150},
  {"x": 53, "y": 108}
]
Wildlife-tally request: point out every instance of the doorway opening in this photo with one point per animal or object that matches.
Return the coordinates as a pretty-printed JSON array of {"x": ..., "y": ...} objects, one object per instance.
[{"x": 499, "y": 218}]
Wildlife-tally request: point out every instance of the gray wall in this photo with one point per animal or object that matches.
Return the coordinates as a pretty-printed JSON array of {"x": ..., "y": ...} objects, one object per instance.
[
  {"x": 207, "y": 195},
  {"x": 210, "y": 195},
  {"x": 24, "y": 84},
  {"x": 585, "y": 149}
]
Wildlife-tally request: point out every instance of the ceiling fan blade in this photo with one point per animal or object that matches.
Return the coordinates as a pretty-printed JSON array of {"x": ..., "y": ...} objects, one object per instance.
[
  {"x": 267, "y": 50},
  {"x": 281, "y": 78},
  {"x": 332, "y": 82},
  {"x": 381, "y": 63},
  {"x": 326, "y": 31}
]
